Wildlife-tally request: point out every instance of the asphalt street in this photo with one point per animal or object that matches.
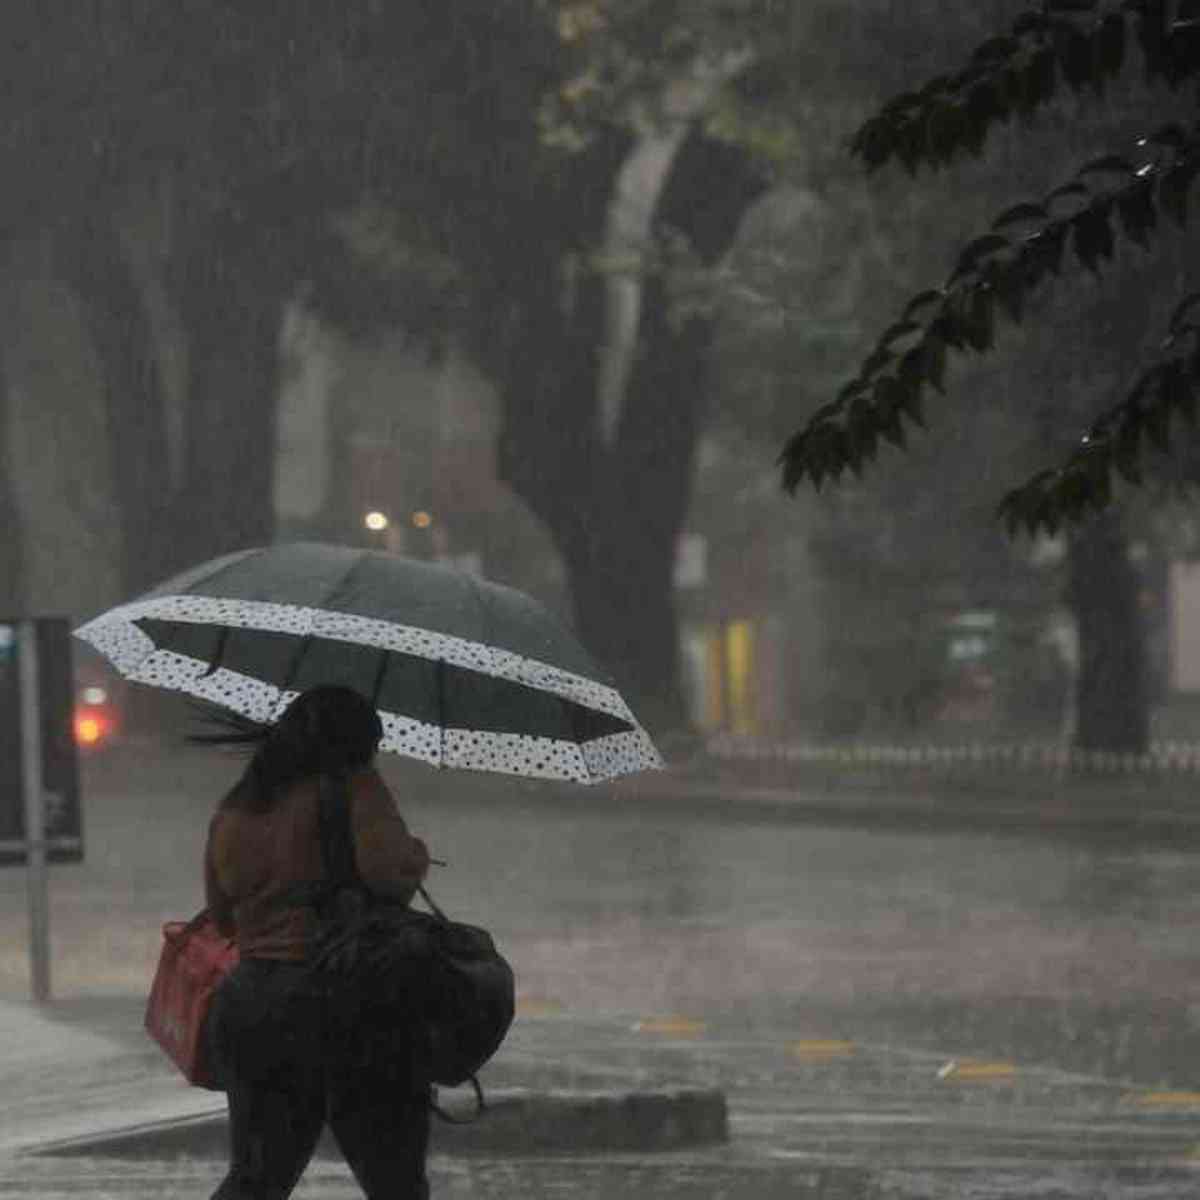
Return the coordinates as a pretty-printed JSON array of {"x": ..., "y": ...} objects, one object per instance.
[{"x": 891, "y": 1012}]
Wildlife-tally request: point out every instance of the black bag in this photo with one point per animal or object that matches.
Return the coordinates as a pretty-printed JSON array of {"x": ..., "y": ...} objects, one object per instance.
[{"x": 447, "y": 976}]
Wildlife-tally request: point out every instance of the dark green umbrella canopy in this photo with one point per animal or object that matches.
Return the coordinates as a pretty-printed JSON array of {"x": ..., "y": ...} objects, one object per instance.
[{"x": 464, "y": 672}]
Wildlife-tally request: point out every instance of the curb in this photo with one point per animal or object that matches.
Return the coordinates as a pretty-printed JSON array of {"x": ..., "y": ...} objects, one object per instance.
[{"x": 517, "y": 1121}]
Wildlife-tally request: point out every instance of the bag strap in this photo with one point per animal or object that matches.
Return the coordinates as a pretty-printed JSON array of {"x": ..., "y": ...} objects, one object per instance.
[
  {"x": 480, "y": 1107},
  {"x": 433, "y": 908},
  {"x": 337, "y": 842}
]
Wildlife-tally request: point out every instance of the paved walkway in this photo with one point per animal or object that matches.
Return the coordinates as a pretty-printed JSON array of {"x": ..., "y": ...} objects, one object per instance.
[{"x": 811, "y": 1116}]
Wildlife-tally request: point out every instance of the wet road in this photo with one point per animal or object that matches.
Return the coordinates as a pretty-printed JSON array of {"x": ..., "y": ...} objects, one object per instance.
[{"x": 890, "y": 1013}]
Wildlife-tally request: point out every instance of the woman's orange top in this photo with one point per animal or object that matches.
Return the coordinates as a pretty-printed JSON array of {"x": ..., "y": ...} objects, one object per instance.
[{"x": 252, "y": 857}]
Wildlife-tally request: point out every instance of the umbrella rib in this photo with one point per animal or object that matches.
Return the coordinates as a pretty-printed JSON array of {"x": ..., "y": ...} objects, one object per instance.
[
  {"x": 214, "y": 666},
  {"x": 294, "y": 666},
  {"x": 377, "y": 690}
]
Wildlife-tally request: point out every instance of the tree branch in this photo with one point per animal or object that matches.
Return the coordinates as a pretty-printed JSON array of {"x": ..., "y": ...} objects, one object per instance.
[
  {"x": 1079, "y": 42},
  {"x": 636, "y": 194},
  {"x": 998, "y": 272}
]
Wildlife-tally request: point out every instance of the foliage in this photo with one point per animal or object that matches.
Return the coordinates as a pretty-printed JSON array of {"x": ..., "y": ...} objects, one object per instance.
[{"x": 1081, "y": 44}]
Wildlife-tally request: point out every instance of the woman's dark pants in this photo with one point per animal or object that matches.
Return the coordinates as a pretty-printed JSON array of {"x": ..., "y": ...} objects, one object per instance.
[{"x": 298, "y": 1051}]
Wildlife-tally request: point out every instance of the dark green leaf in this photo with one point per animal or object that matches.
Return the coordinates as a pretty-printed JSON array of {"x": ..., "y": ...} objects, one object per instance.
[
  {"x": 1102, "y": 485},
  {"x": 1040, "y": 80},
  {"x": 875, "y": 361},
  {"x": 1135, "y": 204},
  {"x": 861, "y": 435},
  {"x": 896, "y": 106},
  {"x": 986, "y": 103},
  {"x": 1019, "y": 214},
  {"x": 845, "y": 393},
  {"x": 1046, "y": 248},
  {"x": 1170, "y": 135},
  {"x": 1180, "y": 60},
  {"x": 932, "y": 296},
  {"x": 1093, "y": 239},
  {"x": 939, "y": 83},
  {"x": 1072, "y": 191},
  {"x": 968, "y": 259},
  {"x": 1030, "y": 22},
  {"x": 1094, "y": 460},
  {"x": 1010, "y": 512},
  {"x": 897, "y": 331},
  {"x": 1010, "y": 288},
  {"x": 1108, "y": 163},
  {"x": 891, "y": 426},
  {"x": 948, "y": 329},
  {"x": 1126, "y": 450},
  {"x": 933, "y": 350},
  {"x": 1152, "y": 33},
  {"x": 1174, "y": 186},
  {"x": 1042, "y": 513},
  {"x": 947, "y": 127},
  {"x": 909, "y": 146},
  {"x": 1179, "y": 391},
  {"x": 1156, "y": 421},
  {"x": 791, "y": 460},
  {"x": 913, "y": 406},
  {"x": 1074, "y": 52},
  {"x": 1182, "y": 310},
  {"x": 995, "y": 49},
  {"x": 1110, "y": 40},
  {"x": 981, "y": 321},
  {"x": 874, "y": 143},
  {"x": 1131, "y": 409},
  {"x": 911, "y": 371}
]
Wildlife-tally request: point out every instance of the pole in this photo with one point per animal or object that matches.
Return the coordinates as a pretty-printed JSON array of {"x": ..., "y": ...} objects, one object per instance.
[{"x": 37, "y": 872}]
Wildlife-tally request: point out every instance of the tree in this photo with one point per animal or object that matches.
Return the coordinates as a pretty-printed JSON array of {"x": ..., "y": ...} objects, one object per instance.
[
  {"x": 1082, "y": 44},
  {"x": 900, "y": 552},
  {"x": 584, "y": 151}
]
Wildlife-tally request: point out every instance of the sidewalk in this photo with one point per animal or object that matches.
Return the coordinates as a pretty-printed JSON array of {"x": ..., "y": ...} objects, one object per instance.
[
  {"x": 82, "y": 1078},
  {"x": 1032, "y": 789},
  {"x": 812, "y": 1118}
]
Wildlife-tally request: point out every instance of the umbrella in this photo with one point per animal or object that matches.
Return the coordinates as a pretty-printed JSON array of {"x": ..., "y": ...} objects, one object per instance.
[{"x": 464, "y": 672}]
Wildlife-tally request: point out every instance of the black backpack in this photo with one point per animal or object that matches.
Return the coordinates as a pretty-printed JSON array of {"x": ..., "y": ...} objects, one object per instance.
[{"x": 447, "y": 977}]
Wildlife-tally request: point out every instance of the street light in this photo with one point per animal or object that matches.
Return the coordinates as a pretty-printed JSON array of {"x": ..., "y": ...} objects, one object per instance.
[{"x": 376, "y": 521}]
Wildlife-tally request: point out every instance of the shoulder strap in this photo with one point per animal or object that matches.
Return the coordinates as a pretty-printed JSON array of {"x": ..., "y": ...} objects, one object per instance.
[
  {"x": 480, "y": 1106},
  {"x": 337, "y": 843},
  {"x": 433, "y": 908}
]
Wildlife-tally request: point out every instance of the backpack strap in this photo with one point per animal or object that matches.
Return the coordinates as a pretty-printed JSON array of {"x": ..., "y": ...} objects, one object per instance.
[
  {"x": 337, "y": 843},
  {"x": 480, "y": 1106}
]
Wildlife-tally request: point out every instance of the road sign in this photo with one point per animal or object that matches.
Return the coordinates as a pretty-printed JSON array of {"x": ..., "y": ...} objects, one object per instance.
[{"x": 55, "y": 701}]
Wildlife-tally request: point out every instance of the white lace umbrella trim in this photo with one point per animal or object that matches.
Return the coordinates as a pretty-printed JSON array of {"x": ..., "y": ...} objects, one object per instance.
[{"x": 133, "y": 653}]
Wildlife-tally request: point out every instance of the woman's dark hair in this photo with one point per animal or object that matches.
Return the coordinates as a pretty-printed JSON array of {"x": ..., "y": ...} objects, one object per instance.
[{"x": 327, "y": 730}]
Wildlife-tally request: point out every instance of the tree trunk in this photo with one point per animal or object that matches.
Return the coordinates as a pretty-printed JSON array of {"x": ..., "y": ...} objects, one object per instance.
[
  {"x": 621, "y": 564},
  {"x": 1103, "y": 591},
  {"x": 91, "y": 260},
  {"x": 615, "y": 508},
  {"x": 233, "y": 316}
]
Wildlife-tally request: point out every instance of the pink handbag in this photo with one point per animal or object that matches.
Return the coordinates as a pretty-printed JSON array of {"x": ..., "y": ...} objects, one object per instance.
[{"x": 195, "y": 959}]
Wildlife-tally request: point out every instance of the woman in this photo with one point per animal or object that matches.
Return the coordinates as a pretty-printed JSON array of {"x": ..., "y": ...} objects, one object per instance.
[{"x": 298, "y": 1048}]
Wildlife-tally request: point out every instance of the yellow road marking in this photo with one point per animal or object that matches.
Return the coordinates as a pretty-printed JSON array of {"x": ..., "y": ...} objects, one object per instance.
[
  {"x": 537, "y": 1006},
  {"x": 973, "y": 1070},
  {"x": 671, "y": 1026},
  {"x": 821, "y": 1048},
  {"x": 1164, "y": 1099}
]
